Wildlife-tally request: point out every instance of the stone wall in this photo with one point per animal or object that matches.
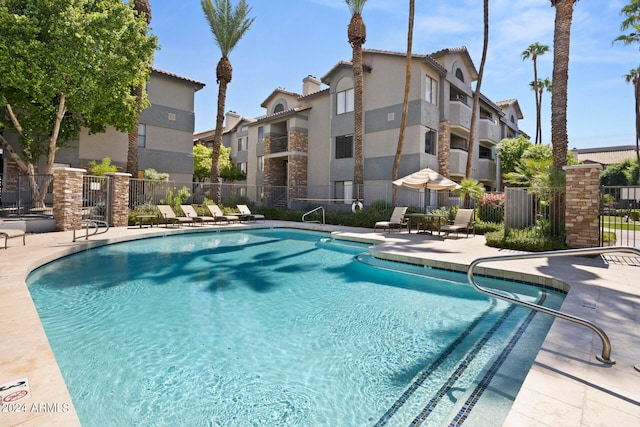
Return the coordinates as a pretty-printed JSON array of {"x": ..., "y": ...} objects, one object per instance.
[
  {"x": 582, "y": 205},
  {"x": 444, "y": 151}
]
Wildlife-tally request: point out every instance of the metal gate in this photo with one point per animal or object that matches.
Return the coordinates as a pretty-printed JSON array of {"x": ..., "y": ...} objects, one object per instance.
[
  {"x": 96, "y": 198},
  {"x": 620, "y": 216}
]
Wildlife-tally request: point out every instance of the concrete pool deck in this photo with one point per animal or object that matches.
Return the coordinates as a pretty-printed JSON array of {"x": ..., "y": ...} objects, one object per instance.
[{"x": 566, "y": 385}]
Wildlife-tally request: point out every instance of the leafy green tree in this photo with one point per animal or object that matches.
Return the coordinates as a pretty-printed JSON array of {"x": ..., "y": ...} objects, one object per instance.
[
  {"x": 357, "y": 36},
  {"x": 228, "y": 25},
  {"x": 623, "y": 173},
  {"x": 509, "y": 152},
  {"x": 143, "y": 9},
  {"x": 201, "y": 162},
  {"x": 67, "y": 64}
]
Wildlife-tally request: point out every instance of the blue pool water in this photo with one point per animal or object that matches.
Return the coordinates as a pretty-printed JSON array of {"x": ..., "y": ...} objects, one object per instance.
[{"x": 276, "y": 328}]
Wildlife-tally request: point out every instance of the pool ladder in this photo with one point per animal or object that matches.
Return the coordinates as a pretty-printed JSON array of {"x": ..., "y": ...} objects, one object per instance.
[
  {"x": 94, "y": 224},
  {"x": 606, "y": 343},
  {"x": 312, "y": 211}
]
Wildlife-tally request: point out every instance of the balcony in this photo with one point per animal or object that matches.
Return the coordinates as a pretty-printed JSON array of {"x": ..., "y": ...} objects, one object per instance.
[
  {"x": 488, "y": 130},
  {"x": 457, "y": 162},
  {"x": 486, "y": 170},
  {"x": 459, "y": 115}
]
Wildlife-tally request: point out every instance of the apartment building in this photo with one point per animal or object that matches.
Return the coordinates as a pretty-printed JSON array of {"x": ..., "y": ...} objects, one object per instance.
[
  {"x": 302, "y": 148},
  {"x": 165, "y": 132}
]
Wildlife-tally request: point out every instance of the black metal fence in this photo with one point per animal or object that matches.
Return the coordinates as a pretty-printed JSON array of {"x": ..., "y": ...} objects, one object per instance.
[
  {"x": 24, "y": 195},
  {"x": 620, "y": 216}
]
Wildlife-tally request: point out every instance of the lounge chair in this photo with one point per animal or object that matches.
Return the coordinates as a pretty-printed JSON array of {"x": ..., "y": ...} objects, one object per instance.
[
  {"x": 169, "y": 216},
  {"x": 190, "y": 212},
  {"x": 397, "y": 220},
  {"x": 245, "y": 214},
  {"x": 462, "y": 221},
  {"x": 219, "y": 216},
  {"x": 10, "y": 233}
]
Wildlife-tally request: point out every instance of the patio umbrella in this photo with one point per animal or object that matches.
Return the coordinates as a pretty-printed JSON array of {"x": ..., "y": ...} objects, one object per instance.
[{"x": 426, "y": 178}]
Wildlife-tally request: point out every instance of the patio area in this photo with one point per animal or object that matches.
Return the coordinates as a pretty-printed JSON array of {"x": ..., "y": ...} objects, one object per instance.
[{"x": 566, "y": 386}]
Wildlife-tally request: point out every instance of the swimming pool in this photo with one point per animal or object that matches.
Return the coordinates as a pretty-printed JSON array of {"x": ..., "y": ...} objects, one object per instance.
[{"x": 278, "y": 327}]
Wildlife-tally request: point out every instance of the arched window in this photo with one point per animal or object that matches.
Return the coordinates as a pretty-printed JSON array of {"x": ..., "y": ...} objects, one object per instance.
[
  {"x": 459, "y": 74},
  {"x": 278, "y": 108},
  {"x": 513, "y": 119}
]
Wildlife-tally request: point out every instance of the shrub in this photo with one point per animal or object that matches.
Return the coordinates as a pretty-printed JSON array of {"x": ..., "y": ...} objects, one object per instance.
[
  {"x": 102, "y": 168},
  {"x": 490, "y": 208},
  {"x": 525, "y": 240},
  {"x": 487, "y": 227}
]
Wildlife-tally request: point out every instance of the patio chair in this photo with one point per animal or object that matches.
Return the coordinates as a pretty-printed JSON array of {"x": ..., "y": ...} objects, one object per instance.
[
  {"x": 10, "y": 233},
  {"x": 245, "y": 214},
  {"x": 169, "y": 216},
  {"x": 462, "y": 221},
  {"x": 397, "y": 220},
  {"x": 190, "y": 212},
  {"x": 219, "y": 216}
]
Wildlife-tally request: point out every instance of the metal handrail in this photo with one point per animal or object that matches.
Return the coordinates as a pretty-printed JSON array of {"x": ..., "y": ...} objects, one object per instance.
[
  {"x": 312, "y": 211},
  {"x": 91, "y": 223},
  {"x": 606, "y": 344}
]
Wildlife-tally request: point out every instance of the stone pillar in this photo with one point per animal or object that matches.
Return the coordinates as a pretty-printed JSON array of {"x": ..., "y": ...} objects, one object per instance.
[
  {"x": 67, "y": 198},
  {"x": 582, "y": 214},
  {"x": 444, "y": 153},
  {"x": 119, "y": 198}
]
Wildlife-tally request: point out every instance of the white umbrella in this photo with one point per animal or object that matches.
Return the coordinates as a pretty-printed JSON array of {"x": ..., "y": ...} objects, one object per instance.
[{"x": 427, "y": 178}]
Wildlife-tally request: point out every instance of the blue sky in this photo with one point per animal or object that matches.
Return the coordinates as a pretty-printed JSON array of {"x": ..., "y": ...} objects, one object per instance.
[{"x": 291, "y": 39}]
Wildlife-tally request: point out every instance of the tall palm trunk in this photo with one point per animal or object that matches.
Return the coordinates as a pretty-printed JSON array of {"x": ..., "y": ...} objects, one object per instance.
[
  {"x": 224, "y": 73},
  {"x": 561, "y": 44},
  {"x": 538, "y": 100},
  {"x": 476, "y": 95},
  {"x": 636, "y": 86},
  {"x": 405, "y": 106},
  {"x": 357, "y": 33}
]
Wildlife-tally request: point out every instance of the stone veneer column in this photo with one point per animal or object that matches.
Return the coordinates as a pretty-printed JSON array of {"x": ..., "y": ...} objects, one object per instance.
[
  {"x": 298, "y": 164},
  {"x": 444, "y": 153},
  {"x": 582, "y": 214},
  {"x": 67, "y": 198},
  {"x": 119, "y": 199}
]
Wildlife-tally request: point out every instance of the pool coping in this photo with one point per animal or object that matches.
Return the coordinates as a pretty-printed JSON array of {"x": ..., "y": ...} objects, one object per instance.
[{"x": 565, "y": 386}]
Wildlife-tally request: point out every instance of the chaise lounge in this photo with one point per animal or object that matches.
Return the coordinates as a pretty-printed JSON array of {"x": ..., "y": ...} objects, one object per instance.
[
  {"x": 397, "y": 220},
  {"x": 190, "y": 212},
  {"x": 170, "y": 217},
  {"x": 462, "y": 221},
  {"x": 10, "y": 233},
  {"x": 245, "y": 214},
  {"x": 219, "y": 216}
]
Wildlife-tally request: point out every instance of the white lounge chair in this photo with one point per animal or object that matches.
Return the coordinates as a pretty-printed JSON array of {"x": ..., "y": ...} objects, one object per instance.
[
  {"x": 245, "y": 214},
  {"x": 219, "y": 216},
  {"x": 10, "y": 233},
  {"x": 190, "y": 212},
  {"x": 462, "y": 221},
  {"x": 397, "y": 220},
  {"x": 169, "y": 216}
]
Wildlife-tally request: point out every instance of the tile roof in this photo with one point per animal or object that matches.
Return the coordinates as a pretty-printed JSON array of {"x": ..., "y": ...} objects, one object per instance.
[
  {"x": 198, "y": 85},
  {"x": 605, "y": 155}
]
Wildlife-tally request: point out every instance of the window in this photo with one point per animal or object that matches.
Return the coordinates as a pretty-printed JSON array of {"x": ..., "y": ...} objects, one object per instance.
[
  {"x": 431, "y": 94},
  {"x": 242, "y": 144},
  {"x": 243, "y": 167},
  {"x": 261, "y": 134},
  {"x": 278, "y": 108},
  {"x": 485, "y": 114},
  {"x": 430, "y": 142},
  {"x": 459, "y": 74},
  {"x": 344, "y": 190},
  {"x": 344, "y": 101},
  {"x": 485, "y": 153},
  {"x": 142, "y": 135},
  {"x": 260, "y": 163},
  {"x": 344, "y": 147}
]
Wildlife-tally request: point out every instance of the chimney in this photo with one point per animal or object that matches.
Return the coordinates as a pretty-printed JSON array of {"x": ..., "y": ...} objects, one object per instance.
[
  {"x": 310, "y": 85},
  {"x": 231, "y": 119}
]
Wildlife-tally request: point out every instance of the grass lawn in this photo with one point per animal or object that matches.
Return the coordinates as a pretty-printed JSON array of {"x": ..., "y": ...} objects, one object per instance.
[{"x": 619, "y": 223}]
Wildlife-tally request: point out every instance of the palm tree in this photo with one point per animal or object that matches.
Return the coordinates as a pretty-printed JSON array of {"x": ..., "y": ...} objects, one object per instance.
[
  {"x": 533, "y": 51},
  {"x": 405, "y": 106},
  {"x": 539, "y": 89},
  {"x": 228, "y": 25},
  {"x": 476, "y": 94},
  {"x": 561, "y": 43},
  {"x": 470, "y": 189},
  {"x": 634, "y": 77},
  {"x": 357, "y": 34},
  {"x": 142, "y": 8}
]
